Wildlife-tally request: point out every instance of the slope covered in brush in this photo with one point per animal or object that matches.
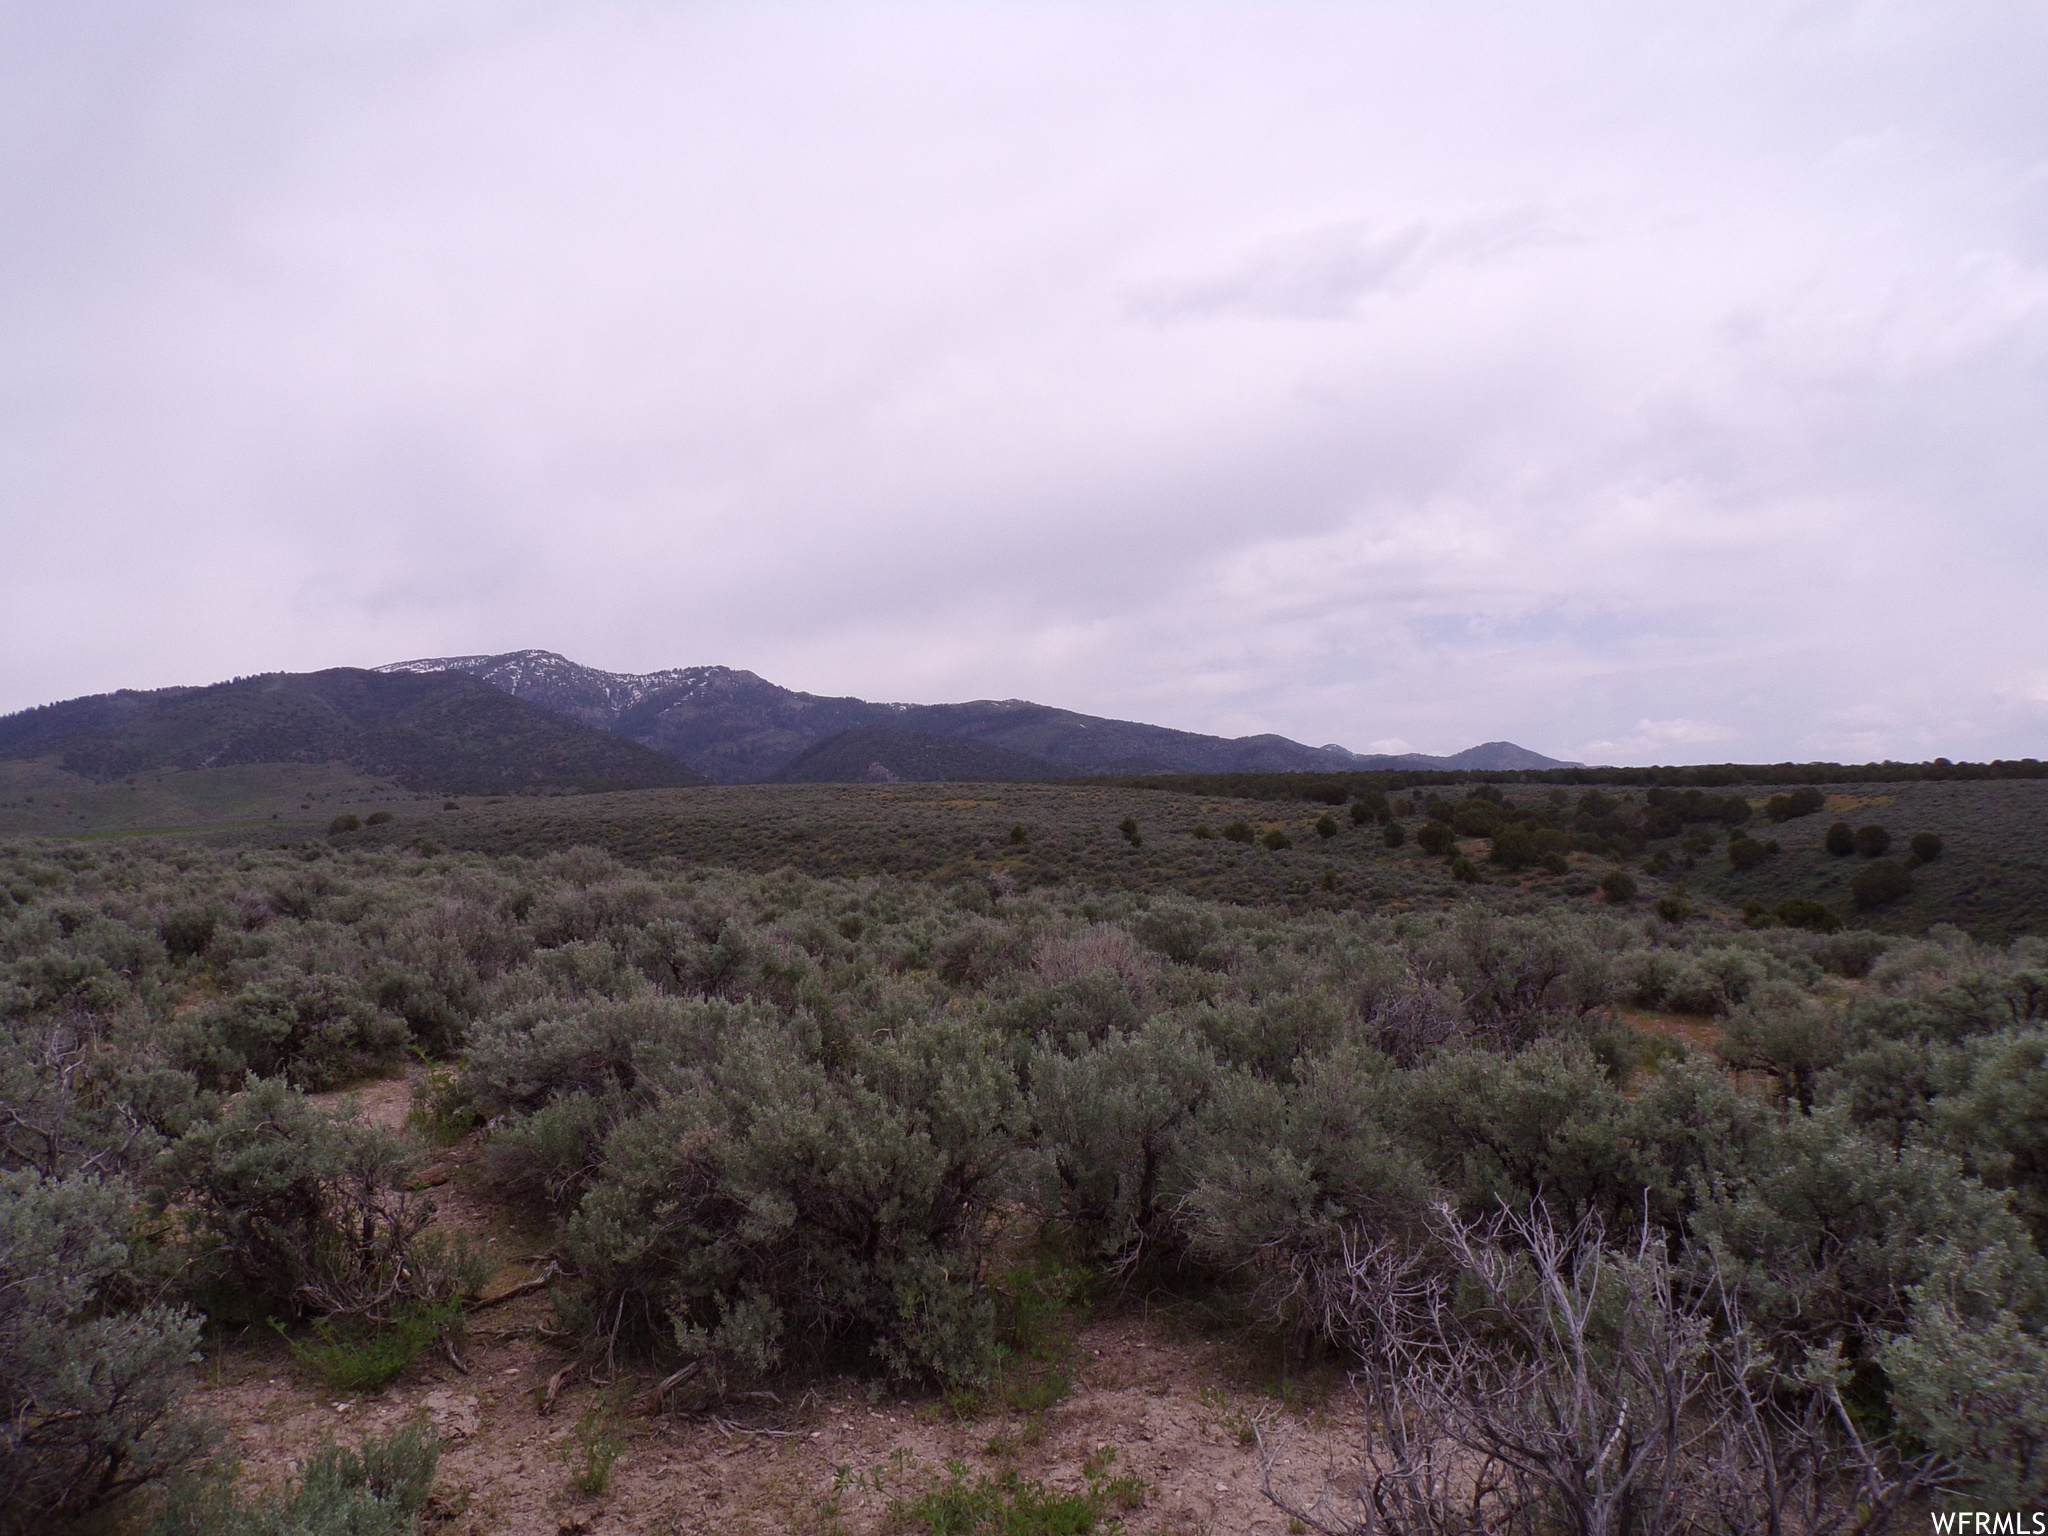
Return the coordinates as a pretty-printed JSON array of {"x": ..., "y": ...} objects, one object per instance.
[{"x": 442, "y": 731}]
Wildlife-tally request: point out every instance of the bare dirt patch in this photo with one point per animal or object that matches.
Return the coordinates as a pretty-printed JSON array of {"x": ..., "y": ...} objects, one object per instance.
[
  {"x": 382, "y": 1101},
  {"x": 1175, "y": 1411}
]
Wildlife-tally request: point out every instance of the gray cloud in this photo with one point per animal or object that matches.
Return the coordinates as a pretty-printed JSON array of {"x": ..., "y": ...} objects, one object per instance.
[
  {"x": 1325, "y": 274},
  {"x": 1627, "y": 384}
]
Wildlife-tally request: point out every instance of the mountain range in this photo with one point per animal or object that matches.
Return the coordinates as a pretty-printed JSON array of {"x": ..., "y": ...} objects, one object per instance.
[
  {"x": 735, "y": 727},
  {"x": 442, "y": 731},
  {"x": 536, "y": 721}
]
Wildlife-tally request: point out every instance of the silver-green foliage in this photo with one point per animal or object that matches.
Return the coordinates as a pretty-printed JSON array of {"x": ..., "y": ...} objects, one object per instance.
[
  {"x": 307, "y": 1213},
  {"x": 781, "y": 1191},
  {"x": 1118, "y": 1121},
  {"x": 375, "y": 1489},
  {"x": 89, "y": 1388},
  {"x": 1969, "y": 1381}
]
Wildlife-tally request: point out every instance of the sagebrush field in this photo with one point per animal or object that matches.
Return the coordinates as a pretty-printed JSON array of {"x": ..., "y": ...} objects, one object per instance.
[{"x": 1508, "y": 1159}]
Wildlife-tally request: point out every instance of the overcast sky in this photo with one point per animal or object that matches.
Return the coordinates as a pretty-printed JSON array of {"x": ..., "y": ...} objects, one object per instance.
[{"x": 1635, "y": 382}]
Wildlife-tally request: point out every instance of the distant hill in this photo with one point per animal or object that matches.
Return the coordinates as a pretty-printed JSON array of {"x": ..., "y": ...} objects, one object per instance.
[
  {"x": 440, "y": 731},
  {"x": 1487, "y": 757},
  {"x": 887, "y": 754},
  {"x": 735, "y": 727}
]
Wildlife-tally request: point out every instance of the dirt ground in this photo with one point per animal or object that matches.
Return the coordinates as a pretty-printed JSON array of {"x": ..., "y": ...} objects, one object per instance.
[{"x": 1183, "y": 1408}]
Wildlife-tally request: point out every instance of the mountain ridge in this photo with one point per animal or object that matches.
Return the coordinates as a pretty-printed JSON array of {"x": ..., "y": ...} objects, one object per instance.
[
  {"x": 888, "y": 754},
  {"x": 443, "y": 731},
  {"x": 734, "y": 726}
]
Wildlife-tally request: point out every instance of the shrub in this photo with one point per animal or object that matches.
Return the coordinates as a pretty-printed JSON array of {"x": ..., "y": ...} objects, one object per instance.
[
  {"x": 1277, "y": 840},
  {"x": 1925, "y": 847},
  {"x": 1803, "y": 801},
  {"x": 378, "y": 1489},
  {"x": 1709, "y": 983},
  {"x": 593, "y": 1449},
  {"x": 1018, "y": 836},
  {"x": 347, "y": 821},
  {"x": 1477, "y": 818},
  {"x": 70, "y": 1101},
  {"x": 1993, "y": 1113},
  {"x": 1970, "y": 1382},
  {"x": 1129, "y": 827},
  {"x": 1361, "y": 812},
  {"x": 546, "y": 1159},
  {"x": 1792, "y": 1039},
  {"x": 434, "y": 969},
  {"x": 1584, "y": 1390},
  {"x": 1745, "y": 853},
  {"x": 1085, "y": 1008},
  {"x": 378, "y": 818},
  {"x": 1436, "y": 838},
  {"x": 1514, "y": 847},
  {"x": 1114, "y": 1122},
  {"x": 1618, "y": 887},
  {"x": 1804, "y": 912},
  {"x": 1286, "y": 1176},
  {"x": 1278, "y": 1035},
  {"x": 307, "y": 1214},
  {"x": 977, "y": 954},
  {"x": 1841, "y": 839},
  {"x": 188, "y": 931},
  {"x": 1546, "y": 1125},
  {"x": 1201, "y": 830},
  {"x": 530, "y": 1056},
  {"x": 1464, "y": 870},
  {"x": 1516, "y": 977},
  {"x": 1853, "y": 954},
  {"x": 1830, "y": 1230},
  {"x": 1326, "y": 794},
  {"x": 1669, "y": 810},
  {"x": 1240, "y": 832},
  {"x": 1326, "y": 825},
  {"x": 1182, "y": 932},
  {"x": 1672, "y": 909},
  {"x": 1872, "y": 841},
  {"x": 1393, "y": 834},
  {"x": 771, "y": 1199},
  {"x": 1880, "y": 883},
  {"x": 314, "y": 1027},
  {"x": 89, "y": 1387}
]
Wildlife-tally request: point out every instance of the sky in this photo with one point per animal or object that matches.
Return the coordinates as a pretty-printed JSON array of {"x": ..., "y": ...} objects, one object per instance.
[{"x": 1636, "y": 383}]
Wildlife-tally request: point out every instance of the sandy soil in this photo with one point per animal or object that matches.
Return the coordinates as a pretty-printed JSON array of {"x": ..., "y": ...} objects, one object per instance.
[
  {"x": 1178, "y": 1407},
  {"x": 1177, "y": 1411}
]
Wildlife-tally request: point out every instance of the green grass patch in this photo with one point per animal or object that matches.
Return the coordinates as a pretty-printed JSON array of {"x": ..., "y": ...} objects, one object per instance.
[
  {"x": 1010, "y": 1505},
  {"x": 1035, "y": 1391},
  {"x": 361, "y": 1357}
]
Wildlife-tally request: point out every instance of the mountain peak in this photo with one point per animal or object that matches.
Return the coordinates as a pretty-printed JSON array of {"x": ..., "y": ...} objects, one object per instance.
[{"x": 739, "y": 728}]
